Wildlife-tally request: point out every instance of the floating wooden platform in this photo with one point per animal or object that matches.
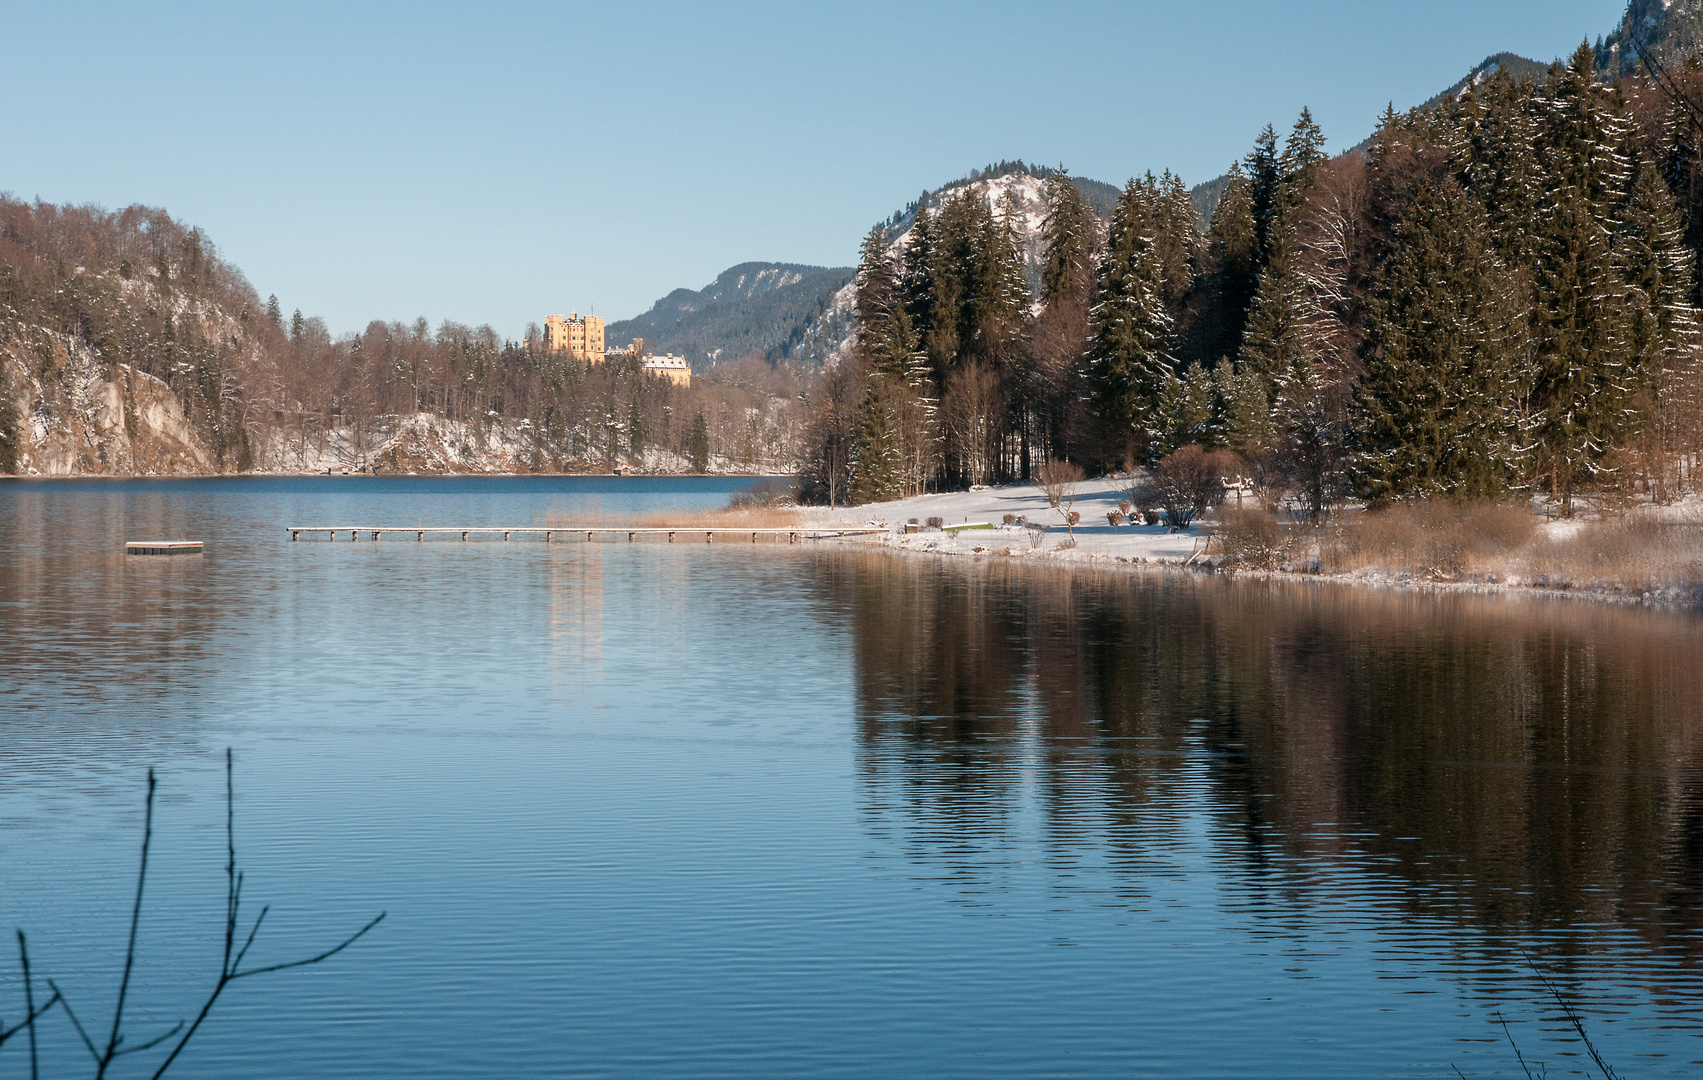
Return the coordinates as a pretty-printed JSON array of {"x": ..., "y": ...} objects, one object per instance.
[
  {"x": 548, "y": 533},
  {"x": 163, "y": 547}
]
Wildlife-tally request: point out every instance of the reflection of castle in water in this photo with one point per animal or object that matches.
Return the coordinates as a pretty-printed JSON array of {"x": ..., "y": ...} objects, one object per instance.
[
  {"x": 1508, "y": 765},
  {"x": 576, "y": 616}
]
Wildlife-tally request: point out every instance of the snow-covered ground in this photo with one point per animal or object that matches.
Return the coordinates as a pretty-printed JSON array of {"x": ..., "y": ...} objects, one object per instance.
[
  {"x": 1095, "y": 539},
  {"x": 1672, "y": 575}
]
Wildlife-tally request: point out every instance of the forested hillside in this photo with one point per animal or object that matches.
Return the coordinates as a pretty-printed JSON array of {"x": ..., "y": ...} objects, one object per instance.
[
  {"x": 1662, "y": 32},
  {"x": 1498, "y": 295},
  {"x": 128, "y": 346}
]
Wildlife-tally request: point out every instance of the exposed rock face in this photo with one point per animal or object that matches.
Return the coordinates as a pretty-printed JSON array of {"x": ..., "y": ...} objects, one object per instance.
[
  {"x": 422, "y": 443},
  {"x": 77, "y": 422}
]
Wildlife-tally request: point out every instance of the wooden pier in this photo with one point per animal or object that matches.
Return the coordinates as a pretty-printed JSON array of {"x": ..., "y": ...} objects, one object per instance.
[
  {"x": 163, "y": 547},
  {"x": 549, "y": 533}
]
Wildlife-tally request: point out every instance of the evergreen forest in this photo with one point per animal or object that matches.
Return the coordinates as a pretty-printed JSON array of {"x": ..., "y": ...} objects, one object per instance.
[{"x": 1497, "y": 294}]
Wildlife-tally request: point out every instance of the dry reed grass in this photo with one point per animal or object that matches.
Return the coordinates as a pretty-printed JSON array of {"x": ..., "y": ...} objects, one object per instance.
[
  {"x": 1638, "y": 552},
  {"x": 1496, "y": 543},
  {"x": 1252, "y": 538},
  {"x": 1438, "y": 540}
]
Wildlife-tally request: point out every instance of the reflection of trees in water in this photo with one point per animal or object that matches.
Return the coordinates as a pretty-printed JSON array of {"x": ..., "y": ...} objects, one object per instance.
[
  {"x": 1518, "y": 765},
  {"x": 95, "y": 645}
]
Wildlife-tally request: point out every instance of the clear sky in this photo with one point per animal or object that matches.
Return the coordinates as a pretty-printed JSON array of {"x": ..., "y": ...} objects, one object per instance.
[{"x": 501, "y": 161}]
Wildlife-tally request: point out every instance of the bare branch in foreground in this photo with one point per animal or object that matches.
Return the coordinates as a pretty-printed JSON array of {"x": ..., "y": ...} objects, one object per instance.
[{"x": 230, "y": 967}]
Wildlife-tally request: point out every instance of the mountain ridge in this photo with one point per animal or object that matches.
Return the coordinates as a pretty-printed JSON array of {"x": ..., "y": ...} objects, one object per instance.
[{"x": 752, "y": 307}]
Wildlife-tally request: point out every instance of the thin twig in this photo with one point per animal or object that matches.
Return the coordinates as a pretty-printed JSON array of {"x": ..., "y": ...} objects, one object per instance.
[
  {"x": 28, "y": 1020},
  {"x": 116, "y": 1037},
  {"x": 1500, "y": 1019},
  {"x": 326, "y": 955},
  {"x": 65, "y": 1004},
  {"x": 151, "y": 1043},
  {"x": 29, "y": 1004},
  {"x": 1574, "y": 1019},
  {"x": 242, "y": 952}
]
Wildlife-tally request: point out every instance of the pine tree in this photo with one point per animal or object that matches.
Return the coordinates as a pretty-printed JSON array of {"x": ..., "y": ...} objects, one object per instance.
[
  {"x": 1664, "y": 336},
  {"x": 878, "y": 462},
  {"x": 700, "y": 442},
  {"x": 1002, "y": 285},
  {"x": 1189, "y": 412},
  {"x": 916, "y": 273},
  {"x": 273, "y": 311},
  {"x": 1437, "y": 411},
  {"x": 1499, "y": 124},
  {"x": 1310, "y": 415},
  {"x": 898, "y": 351},
  {"x": 1177, "y": 234},
  {"x": 1128, "y": 355},
  {"x": 1275, "y": 339},
  {"x": 1585, "y": 374},
  {"x": 955, "y": 234},
  {"x": 1046, "y": 384},
  {"x": 1267, "y": 191},
  {"x": 1303, "y": 153},
  {"x": 876, "y": 293},
  {"x": 1232, "y": 245},
  {"x": 1067, "y": 262},
  {"x": 1244, "y": 403},
  {"x": 1653, "y": 256},
  {"x": 1680, "y": 168}
]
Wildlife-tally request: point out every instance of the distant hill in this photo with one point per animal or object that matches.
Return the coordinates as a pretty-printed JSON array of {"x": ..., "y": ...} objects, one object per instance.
[
  {"x": 1513, "y": 63},
  {"x": 771, "y": 309}
]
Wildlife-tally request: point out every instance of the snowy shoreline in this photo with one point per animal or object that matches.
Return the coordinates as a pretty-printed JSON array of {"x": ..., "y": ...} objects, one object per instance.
[{"x": 1100, "y": 545}]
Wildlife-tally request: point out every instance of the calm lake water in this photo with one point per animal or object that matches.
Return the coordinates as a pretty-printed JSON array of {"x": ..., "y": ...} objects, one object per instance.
[{"x": 697, "y": 810}]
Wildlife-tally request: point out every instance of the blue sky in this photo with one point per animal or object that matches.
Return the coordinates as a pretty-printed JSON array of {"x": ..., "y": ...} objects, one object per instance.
[{"x": 499, "y": 162}]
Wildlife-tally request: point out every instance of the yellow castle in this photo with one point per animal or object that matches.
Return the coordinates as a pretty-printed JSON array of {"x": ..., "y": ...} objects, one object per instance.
[{"x": 582, "y": 338}]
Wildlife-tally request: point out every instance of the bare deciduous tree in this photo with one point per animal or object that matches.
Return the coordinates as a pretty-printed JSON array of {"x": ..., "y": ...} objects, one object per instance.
[
  {"x": 1059, "y": 480},
  {"x": 1191, "y": 481},
  {"x": 115, "y": 1045}
]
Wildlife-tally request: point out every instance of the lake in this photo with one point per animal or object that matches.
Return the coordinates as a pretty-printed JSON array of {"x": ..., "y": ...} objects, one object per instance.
[{"x": 735, "y": 810}]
